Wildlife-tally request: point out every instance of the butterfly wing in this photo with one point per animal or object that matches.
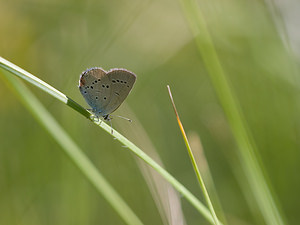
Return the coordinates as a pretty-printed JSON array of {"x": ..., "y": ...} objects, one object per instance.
[
  {"x": 121, "y": 83},
  {"x": 92, "y": 85}
]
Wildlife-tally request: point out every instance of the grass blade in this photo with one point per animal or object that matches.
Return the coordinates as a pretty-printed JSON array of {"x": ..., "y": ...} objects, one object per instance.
[
  {"x": 200, "y": 180},
  {"x": 248, "y": 155},
  {"x": 202, "y": 163}
]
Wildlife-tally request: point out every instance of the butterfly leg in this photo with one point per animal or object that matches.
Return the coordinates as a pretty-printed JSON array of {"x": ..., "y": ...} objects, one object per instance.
[
  {"x": 112, "y": 131},
  {"x": 93, "y": 116},
  {"x": 96, "y": 119},
  {"x": 109, "y": 119}
]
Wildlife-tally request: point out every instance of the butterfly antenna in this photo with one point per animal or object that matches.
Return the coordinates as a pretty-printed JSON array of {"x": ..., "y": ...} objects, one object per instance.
[{"x": 129, "y": 120}]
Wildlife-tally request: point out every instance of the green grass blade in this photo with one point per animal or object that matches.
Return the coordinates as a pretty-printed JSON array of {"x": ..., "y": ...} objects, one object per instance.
[
  {"x": 247, "y": 151},
  {"x": 73, "y": 151},
  {"x": 60, "y": 96},
  {"x": 201, "y": 161},
  {"x": 32, "y": 79},
  {"x": 195, "y": 166},
  {"x": 42, "y": 85}
]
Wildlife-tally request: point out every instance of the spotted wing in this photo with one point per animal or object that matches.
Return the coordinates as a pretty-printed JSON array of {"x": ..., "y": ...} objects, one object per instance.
[
  {"x": 121, "y": 82},
  {"x": 93, "y": 86}
]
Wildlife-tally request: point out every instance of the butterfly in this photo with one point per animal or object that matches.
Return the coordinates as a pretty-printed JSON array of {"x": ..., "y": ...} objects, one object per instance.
[{"x": 105, "y": 91}]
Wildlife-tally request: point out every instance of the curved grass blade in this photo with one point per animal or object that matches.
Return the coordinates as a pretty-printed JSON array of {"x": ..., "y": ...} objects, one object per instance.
[{"x": 63, "y": 98}]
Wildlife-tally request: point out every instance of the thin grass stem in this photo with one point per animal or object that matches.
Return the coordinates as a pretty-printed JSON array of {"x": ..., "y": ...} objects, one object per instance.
[{"x": 195, "y": 166}]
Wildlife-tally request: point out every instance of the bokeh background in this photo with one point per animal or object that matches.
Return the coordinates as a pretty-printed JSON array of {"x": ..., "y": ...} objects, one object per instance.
[{"x": 258, "y": 46}]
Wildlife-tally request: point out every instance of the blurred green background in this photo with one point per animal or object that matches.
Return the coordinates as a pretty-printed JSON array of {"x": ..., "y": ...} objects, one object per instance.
[{"x": 57, "y": 40}]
